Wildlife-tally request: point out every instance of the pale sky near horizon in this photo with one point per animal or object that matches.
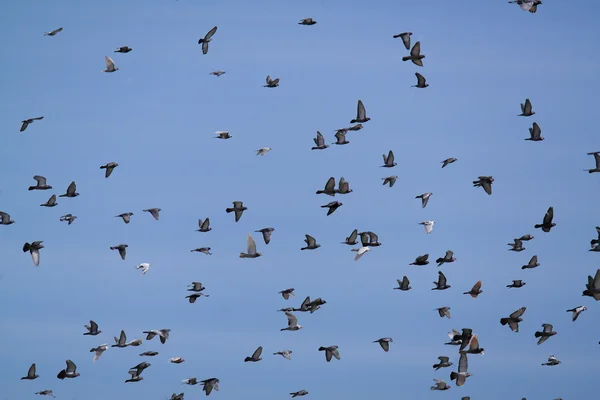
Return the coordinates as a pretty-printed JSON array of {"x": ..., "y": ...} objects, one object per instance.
[{"x": 156, "y": 116}]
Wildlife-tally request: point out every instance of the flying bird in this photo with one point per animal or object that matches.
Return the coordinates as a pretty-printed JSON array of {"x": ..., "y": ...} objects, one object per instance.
[
  {"x": 51, "y": 202},
  {"x": 388, "y": 162},
  {"x": 125, "y": 216},
  {"x": 516, "y": 246},
  {"x": 428, "y": 225},
  {"x": 163, "y": 334},
  {"x": 34, "y": 249},
  {"x": 92, "y": 329},
  {"x": 415, "y": 55},
  {"x": 403, "y": 284},
  {"x": 28, "y": 121},
  {"x": 547, "y": 223},
  {"x": 266, "y": 234},
  {"x": 360, "y": 252},
  {"x": 361, "y": 114},
  {"x": 329, "y": 188},
  {"x": 424, "y": 198},
  {"x": 319, "y": 142},
  {"x": 40, "y": 183},
  {"x": 54, "y": 32},
  {"x": 441, "y": 282},
  {"x": 421, "y": 260},
  {"x": 292, "y": 322},
  {"x": 444, "y": 363},
  {"x": 535, "y": 133},
  {"x": 222, "y": 135},
  {"x": 440, "y": 385},
  {"x": 255, "y": 357},
  {"x": 576, "y": 311},
  {"x": 203, "y": 226},
  {"x": 533, "y": 263},
  {"x": 123, "y": 49},
  {"x": 98, "y": 351},
  {"x": 474, "y": 348},
  {"x": 154, "y": 212},
  {"x": 334, "y": 205},
  {"x": 109, "y": 167},
  {"x": 284, "y": 353},
  {"x": 204, "y": 250},
  {"x": 444, "y": 312},
  {"x": 384, "y": 343},
  {"x": 448, "y": 161},
  {"x": 193, "y": 297},
  {"x": 122, "y": 250},
  {"x": 69, "y": 372},
  {"x": 552, "y": 361},
  {"x": 351, "y": 240},
  {"x": 196, "y": 287},
  {"x": 462, "y": 374},
  {"x": 217, "y": 73},
  {"x": 262, "y": 151},
  {"x": 448, "y": 258},
  {"x": 369, "y": 239},
  {"x": 238, "y": 208},
  {"x": 405, "y": 36},
  {"x": 250, "y": 248},
  {"x": 144, "y": 267},
  {"x": 596, "y": 155},
  {"x": 110, "y": 65},
  {"x": 209, "y": 384},
  {"x": 299, "y": 393},
  {"x": 526, "y": 110},
  {"x": 271, "y": 83},
  {"x": 421, "y": 81},
  {"x": 513, "y": 319},
  {"x": 71, "y": 191},
  {"x": 207, "y": 39},
  {"x": 287, "y": 293},
  {"x": 485, "y": 182},
  {"x": 475, "y": 290},
  {"x": 31, "y": 373},
  {"x": 307, "y": 21},
  {"x": 340, "y": 138},
  {"x": 516, "y": 284},
  {"x": 330, "y": 351},
  {"x": 46, "y": 393},
  {"x": 5, "y": 219},
  {"x": 545, "y": 334},
  {"x": 389, "y": 180},
  {"x": 527, "y": 5},
  {"x": 311, "y": 243}
]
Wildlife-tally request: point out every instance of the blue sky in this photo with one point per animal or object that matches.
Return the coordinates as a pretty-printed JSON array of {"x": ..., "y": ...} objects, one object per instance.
[{"x": 157, "y": 116}]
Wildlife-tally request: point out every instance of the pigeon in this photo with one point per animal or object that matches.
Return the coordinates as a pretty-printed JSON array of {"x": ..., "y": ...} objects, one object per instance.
[
  {"x": 5, "y": 219},
  {"x": 421, "y": 260},
  {"x": 545, "y": 333},
  {"x": 330, "y": 351},
  {"x": 525, "y": 238},
  {"x": 547, "y": 223},
  {"x": 123, "y": 49},
  {"x": 514, "y": 319},
  {"x": 444, "y": 312},
  {"x": 266, "y": 234},
  {"x": 360, "y": 252},
  {"x": 369, "y": 239},
  {"x": 307, "y": 21},
  {"x": 121, "y": 341},
  {"x": 448, "y": 258},
  {"x": 262, "y": 151},
  {"x": 41, "y": 183},
  {"x": 250, "y": 248},
  {"x": 284, "y": 353},
  {"x": 516, "y": 246},
  {"x": 319, "y": 142},
  {"x": 415, "y": 55},
  {"x": 71, "y": 191},
  {"x": 475, "y": 290},
  {"x": 388, "y": 162},
  {"x": 299, "y": 393},
  {"x": 576, "y": 311},
  {"x": 238, "y": 208},
  {"x": 192, "y": 297},
  {"x": 340, "y": 138},
  {"x": 110, "y": 65},
  {"x": 255, "y": 356},
  {"x": 424, "y": 198},
  {"x": 311, "y": 243},
  {"x": 516, "y": 284},
  {"x": 196, "y": 287},
  {"x": 98, "y": 350},
  {"x": 34, "y": 249},
  {"x": 144, "y": 267},
  {"x": 109, "y": 167},
  {"x": 204, "y": 226},
  {"x": 343, "y": 187},
  {"x": 292, "y": 323},
  {"x": 485, "y": 182},
  {"x": 122, "y": 250},
  {"x": 384, "y": 343},
  {"x": 271, "y": 83},
  {"x": 444, "y": 363},
  {"x": 31, "y": 375},
  {"x": 163, "y": 334},
  {"x": 190, "y": 381},
  {"x": 217, "y": 73},
  {"x": 473, "y": 346},
  {"x": 596, "y": 155},
  {"x": 204, "y": 250},
  {"x": 465, "y": 338},
  {"x": 54, "y": 32},
  {"x": 455, "y": 338},
  {"x": 421, "y": 81},
  {"x": 154, "y": 212},
  {"x": 207, "y": 39},
  {"x": 552, "y": 361},
  {"x": 527, "y": 5},
  {"x": 69, "y": 372},
  {"x": 428, "y": 225},
  {"x": 361, "y": 114},
  {"x": 125, "y": 216},
  {"x": 441, "y": 282},
  {"x": 351, "y": 240},
  {"x": 209, "y": 384},
  {"x": 222, "y": 135},
  {"x": 51, "y": 202},
  {"x": 334, "y": 205},
  {"x": 526, "y": 109},
  {"x": 448, "y": 161},
  {"x": 92, "y": 329},
  {"x": 533, "y": 263},
  {"x": 177, "y": 396},
  {"x": 149, "y": 353},
  {"x": 389, "y": 180},
  {"x": 403, "y": 284},
  {"x": 355, "y": 128},
  {"x": 26, "y": 123},
  {"x": 287, "y": 293},
  {"x": 329, "y": 188},
  {"x": 535, "y": 133},
  {"x": 46, "y": 393},
  {"x": 176, "y": 360},
  {"x": 405, "y": 36},
  {"x": 135, "y": 377},
  {"x": 440, "y": 385},
  {"x": 462, "y": 374}
]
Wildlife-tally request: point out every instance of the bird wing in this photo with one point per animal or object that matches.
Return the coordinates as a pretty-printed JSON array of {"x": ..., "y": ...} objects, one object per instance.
[
  {"x": 441, "y": 279},
  {"x": 420, "y": 79},
  {"x": 547, "y": 327},
  {"x": 534, "y": 260},
  {"x": 292, "y": 320},
  {"x": 549, "y": 215},
  {"x": 71, "y": 367},
  {"x": 275, "y": 81},
  {"x": 41, "y": 181},
  {"x": 443, "y": 359},
  {"x": 406, "y": 40},
  {"x": 269, "y": 79},
  {"x": 463, "y": 363},
  {"x": 204, "y": 47},
  {"x": 416, "y": 50},
  {"x": 110, "y": 64},
  {"x": 365, "y": 238},
  {"x": 35, "y": 255},
  {"x": 257, "y": 352},
  {"x": 310, "y": 241},
  {"x": 527, "y": 107},
  {"x": 31, "y": 371},
  {"x": 373, "y": 237},
  {"x": 336, "y": 353},
  {"x": 596, "y": 281},
  {"x": 390, "y": 158},
  {"x": 353, "y": 236},
  {"x": 518, "y": 313},
  {"x": 251, "y": 245},
  {"x": 536, "y": 132},
  {"x": 385, "y": 346},
  {"x": 476, "y": 287},
  {"x": 122, "y": 338},
  {"x": 487, "y": 186},
  {"x": 360, "y": 252},
  {"x": 210, "y": 33},
  {"x": 361, "y": 113},
  {"x": 474, "y": 343},
  {"x": 320, "y": 141},
  {"x": 71, "y": 189},
  {"x": 93, "y": 326},
  {"x": 428, "y": 228},
  {"x": 330, "y": 185},
  {"x": 449, "y": 254}
]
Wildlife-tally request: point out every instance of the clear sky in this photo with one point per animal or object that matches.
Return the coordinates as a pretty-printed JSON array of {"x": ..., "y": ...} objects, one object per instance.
[{"x": 156, "y": 116}]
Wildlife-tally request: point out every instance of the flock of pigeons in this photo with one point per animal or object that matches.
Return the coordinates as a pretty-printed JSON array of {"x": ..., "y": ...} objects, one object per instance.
[{"x": 466, "y": 340}]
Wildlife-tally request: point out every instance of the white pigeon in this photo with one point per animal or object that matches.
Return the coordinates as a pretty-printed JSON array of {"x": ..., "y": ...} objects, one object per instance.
[
  {"x": 361, "y": 251},
  {"x": 263, "y": 151},
  {"x": 99, "y": 350},
  {"x": 428, "y": 226},
  {"x": 110, "y": 65},
  {"x": 144, "y": 267}
]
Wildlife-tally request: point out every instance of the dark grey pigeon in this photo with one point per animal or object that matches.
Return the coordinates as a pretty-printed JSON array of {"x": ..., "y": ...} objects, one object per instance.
[
  {"x": 329, "y": 188},
  {"x": 593, "y": 286},
  {"x": 441, "y": 282},
  {"x": 287, "y": 293},
  {"x": 223, "y": 135},
  {"x": 421, "y": 260},
  {"x": 192, "y": 297},
  {"x": 250, "y": 248},
  {"x": 204, "y": 226},
  {"x": 403, "y": 284},
  {"x": 535, "y": 133},
  {"x": 70, "y": 218},
  {"x": 462, "y": 374},
  {"x": 448, "y": 161},
  {"x": 448, "y": 258},
  {"x": 5, "y": 219},
  {"x": 92, "y": 329},
  {"x": 299, "y": 393},
  {"x": 140, "y": 367},
  {"x": 351, "y": 240},
  {"x": 34, "y": 249},
  {"x": 122, "y": 250},
  {"x": 46, "y": 393},
  {"x": 334, "y": 205},
  {"x": 311, "y": 243},
  {"x": 330, "y": 351},
  {"x": 444, "y": 363},
  {"x": 205, "y": 250},
  {"x": 31, "y": 375},
  {"x": 415, "y": 55},
  {"x": 343, "y": 187},
  {"x": 388, "y": 162},
  {"x": 421, "y": 81},
  {"x": 217, "y": 73},
  {"x": 238, "y": 208},
  {"x": 485, "y": 182},
  {"x": 271, "y": 83},
  {"x": 41, "y": 183},
  {"x": 516, "y": 246},
  {"x": 266, "y": 234},
  {"x": 444, "y": 312},
  {"x": 51, "y": 202},
  {"x": 405, "y": 36},
  {"x": 135, "y": 377},
  {"x": 513, "y": 319},
  {"x": 319, "y": 142},
  {"x": 517, "y": 283},
  {"x": 125, "y": 216},
  {"x": 369, "y": 239},
  {"x": 547, "y": 223},
  {"x": 196, "y": 287},
  {"x": 533, "y": 263},
  {"x": 71, "y": 191},
  {"x": 526, "y": 237},
  {"x": 307, "y": 21},
  {"x": 424, "y": 198},
  {"x": 389, "y": 180},
  {"x": 154, "y": 212},
  {"x": 355, "y": 128},
  {"x": 361, "y": 114},
  {"x": 149, "y": 354},
  {"x": 209, "y": 384},
  {"x": 255, "y": 356},
  {"x": 596, "y": 155},
  {"x": 552, "y": 361},
  {"x": 207, "y": 39},
  {"x": 545, "y": 333},
  {"x": 69, "y": 372},
  {"x": 123, "y": 49},
  {"x": 340, "y": 138},
  {"x": 384, "y": 343},
  {"x": 26, "y": 122},
  {"x": 109, "y": 167},
  {"x": 54, "y": 32},
  {"x": 163, "y": 334},
  {"x": 526, "y": 109}
]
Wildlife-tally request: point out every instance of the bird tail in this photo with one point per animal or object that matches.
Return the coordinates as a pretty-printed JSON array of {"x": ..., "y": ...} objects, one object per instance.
[
  {"x": 453, "y": 375},
  {"x": 228, "y": 210},
  {"x": 405, "y": 58},
  {"x": 538, "y": 334},
  {"x": 322, "y": 348},
  {"x": 504, "y": 321},
  {"x": 537, "y": 226}
]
